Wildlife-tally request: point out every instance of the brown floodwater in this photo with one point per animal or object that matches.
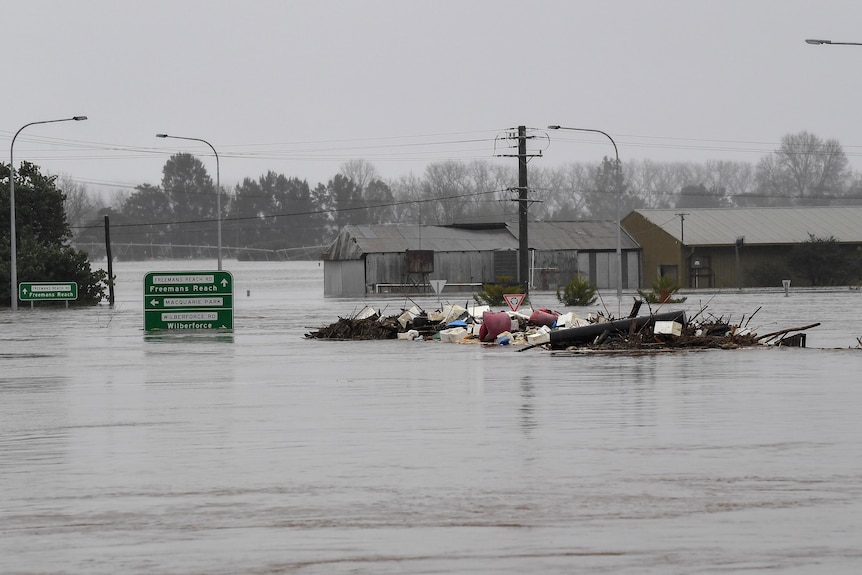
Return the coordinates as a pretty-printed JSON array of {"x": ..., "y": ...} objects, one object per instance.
[{"x": 263, "y": 452}]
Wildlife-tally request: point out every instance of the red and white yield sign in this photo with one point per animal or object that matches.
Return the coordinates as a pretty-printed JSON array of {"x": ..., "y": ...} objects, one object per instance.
[{"x": 514, "y": 300}]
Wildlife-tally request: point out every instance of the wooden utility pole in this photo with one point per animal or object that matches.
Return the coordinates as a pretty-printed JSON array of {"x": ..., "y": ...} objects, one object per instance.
[
  {"x": 110, "y": 261},
  {"x": 523, "y": 202},
  {"x": 523, "y": 243}
]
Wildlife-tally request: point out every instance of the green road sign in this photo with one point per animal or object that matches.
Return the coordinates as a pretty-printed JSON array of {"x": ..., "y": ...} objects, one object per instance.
[
  {"x": 47, "y": 291},
  {"x": 181, "y": 301}
]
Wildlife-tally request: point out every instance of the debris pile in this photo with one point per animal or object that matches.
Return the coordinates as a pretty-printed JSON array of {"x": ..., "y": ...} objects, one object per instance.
[
  {"x": 656, "y": 331},
  {"x": 409, "y": 324},
  {"x": 363, "y": 326},
  {"x": 356, "y": 329}
]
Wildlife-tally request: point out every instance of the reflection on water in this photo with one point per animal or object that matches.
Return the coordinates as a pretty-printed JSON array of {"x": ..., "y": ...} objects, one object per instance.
[{"x": 263, "y": 452}]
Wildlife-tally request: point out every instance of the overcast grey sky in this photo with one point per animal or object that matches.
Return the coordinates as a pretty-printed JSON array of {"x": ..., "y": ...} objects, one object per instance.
[{"x": 300, "y": 87}]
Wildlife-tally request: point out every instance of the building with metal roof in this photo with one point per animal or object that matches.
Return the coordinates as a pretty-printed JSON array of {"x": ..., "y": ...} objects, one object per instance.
[
  {"x": 394, "y": 258},
  {"x": 734, "y": 247}
]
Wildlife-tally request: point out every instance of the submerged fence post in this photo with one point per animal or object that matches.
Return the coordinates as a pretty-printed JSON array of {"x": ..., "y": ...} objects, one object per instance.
[{"x": 110, "y": 258}]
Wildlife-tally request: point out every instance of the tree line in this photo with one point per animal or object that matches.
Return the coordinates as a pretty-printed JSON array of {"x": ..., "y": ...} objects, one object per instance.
[
  {"x": 277, "y": 212},
  {"x": 42, "y": 232}
]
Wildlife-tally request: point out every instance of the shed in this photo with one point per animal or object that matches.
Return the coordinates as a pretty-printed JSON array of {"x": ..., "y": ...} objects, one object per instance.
[
  {"x": 733, "y": 247},
  {"x": 561, "y": 251},
  {"x": 393, "y": 258}
]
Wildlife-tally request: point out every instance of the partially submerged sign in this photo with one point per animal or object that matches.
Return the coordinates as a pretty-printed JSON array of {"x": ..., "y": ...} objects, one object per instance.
[
  {"x": 47, "y": 291},
  {"x": 194, "y": 300}
]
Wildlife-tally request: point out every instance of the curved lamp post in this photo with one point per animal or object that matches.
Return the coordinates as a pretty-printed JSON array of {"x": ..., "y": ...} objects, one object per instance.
[
  {"x": 619, "y": 201},
  {"x": 12, "y": 232},
  {"x": 218, "y": 185}
]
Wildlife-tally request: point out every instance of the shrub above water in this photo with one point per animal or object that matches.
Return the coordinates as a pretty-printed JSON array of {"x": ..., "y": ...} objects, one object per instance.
[{"x": 578, "y": 292}]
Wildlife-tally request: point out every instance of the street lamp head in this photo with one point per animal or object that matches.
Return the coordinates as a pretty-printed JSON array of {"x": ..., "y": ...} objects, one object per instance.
[
  {"x": 831, "y": 43},
  {"x": 555, "y": 127},
  {"x": 161, "y": 135},
  {"x": 79, "y": 118}
]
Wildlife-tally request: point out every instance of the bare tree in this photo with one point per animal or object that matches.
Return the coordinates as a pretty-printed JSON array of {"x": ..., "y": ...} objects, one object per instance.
[
  {"x": 360, "y": 171},
  {"x": 447, "y": 183},
  {"x": 119, "y": 199},
  {"x": 725, "y": 180},
  {"x": 853, "y": 196},
  {"x": 805, "y": 170},
  {"x": 407, "y": 191},
  {"x": 560, "y": 190},
  {"x": 655, "y": 184},
  {"x": 712, "y": 185},
  {"x": 79, "y": 204},
  {"x": 491, "y": 183}
]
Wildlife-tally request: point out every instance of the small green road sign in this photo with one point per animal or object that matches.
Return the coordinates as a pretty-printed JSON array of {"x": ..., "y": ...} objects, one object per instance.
[
  {"x": 195, "y": 300},
  {"x": 47, "y": 291}
]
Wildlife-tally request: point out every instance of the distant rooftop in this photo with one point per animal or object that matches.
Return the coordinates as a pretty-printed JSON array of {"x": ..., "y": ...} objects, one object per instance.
[
  {"x": 721, "y": 226},
  {"x": 355, "y": 240},
  {"x": 593, "y": 235}
]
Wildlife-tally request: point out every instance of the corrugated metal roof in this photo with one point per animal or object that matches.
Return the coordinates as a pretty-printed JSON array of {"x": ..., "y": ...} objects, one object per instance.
[
  {"x": 355, "y": 240},
  {"x": 585, "y": 235},
  {"x": 721, "y": 226},
  {"x": 399, "y": 238}
]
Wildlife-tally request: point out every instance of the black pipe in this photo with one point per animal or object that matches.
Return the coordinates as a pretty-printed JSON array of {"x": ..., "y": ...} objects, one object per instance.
[{"x": 562, "y": 338}]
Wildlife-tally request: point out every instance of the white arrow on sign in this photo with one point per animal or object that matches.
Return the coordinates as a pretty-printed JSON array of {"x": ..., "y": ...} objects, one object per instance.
[
  {"x": 224, "y": 283},
  {"x": 154, "y": 302}
]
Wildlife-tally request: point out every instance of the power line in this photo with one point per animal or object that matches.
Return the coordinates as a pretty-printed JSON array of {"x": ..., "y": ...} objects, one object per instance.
[
  {"x": 429, "y": 147},
  {"x": 328, "y": 150},
  {"x": 305, "y": 213}
]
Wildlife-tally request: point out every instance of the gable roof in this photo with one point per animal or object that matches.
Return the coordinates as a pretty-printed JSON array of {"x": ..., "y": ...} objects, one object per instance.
[
  {"x": 721, "y": 226},
  {"x": 588, "y": 235},
  {"x": 355, "y": 240}
]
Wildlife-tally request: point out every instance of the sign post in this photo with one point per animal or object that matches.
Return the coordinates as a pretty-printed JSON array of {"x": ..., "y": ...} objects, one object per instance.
[
  {"x": 184, "y": 301},
  {"x": 48, "y": 291},
  {"x": 437, "y": 285}
]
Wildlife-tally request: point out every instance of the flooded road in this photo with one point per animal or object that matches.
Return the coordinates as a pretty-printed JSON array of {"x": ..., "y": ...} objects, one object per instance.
[{"x": 262, "y": 452}]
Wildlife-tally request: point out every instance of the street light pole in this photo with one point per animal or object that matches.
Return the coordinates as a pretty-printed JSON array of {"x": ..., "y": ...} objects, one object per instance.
[
  {"x": 218, "y": 185},
  {"x": 12, "y": 231},
  {"x": 619, "y": 190}
]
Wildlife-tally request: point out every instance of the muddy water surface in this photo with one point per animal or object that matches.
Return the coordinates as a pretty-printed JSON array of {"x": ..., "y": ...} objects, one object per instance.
[{"x": 264, "y": 452}]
